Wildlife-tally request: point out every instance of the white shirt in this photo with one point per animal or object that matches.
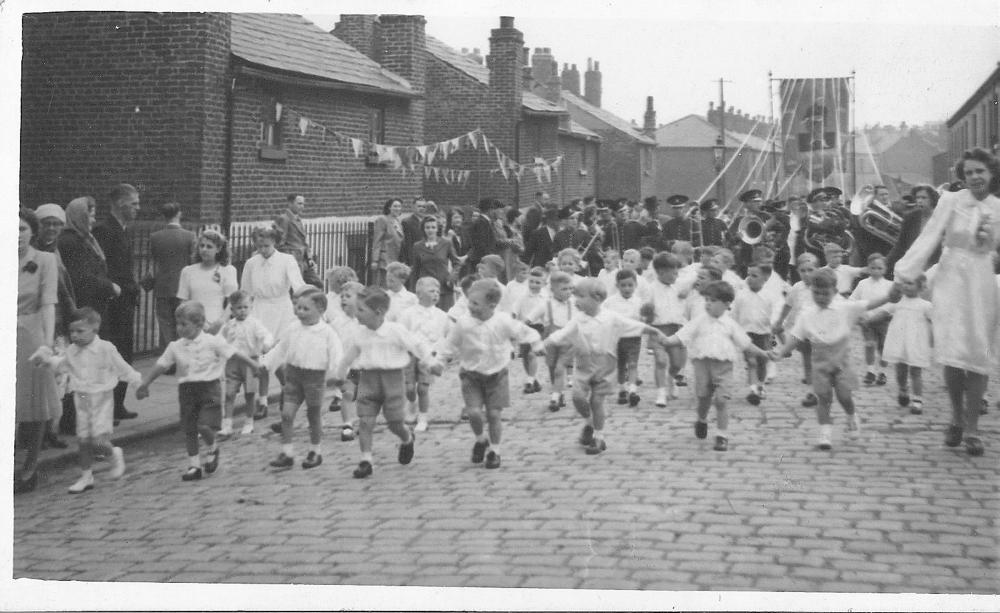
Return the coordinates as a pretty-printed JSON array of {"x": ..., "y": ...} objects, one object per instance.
[
  {"x": 775, "y": 288},
  {"x": 209, "y": 286},
  {"x": 598, "y": 334},
  {"x": 753, "y": 311},
  {"x": 626, "y": 307},
  {"x": 869, "y": 289},
  {"x": 202, "y": 358},
  {"x": 459, "y": 309},
  {"x": 609, "y": 278},
  {"x": 734, "y": 280},
  {"x": 399, "y": 302},
  {"x": 387, "y": 348},
  {"x": 668, "y": 307},
  {"x": 694, "y": 305},
  {"x": 315, "y": 347},
  {"x": 271, "y": 278},
  {"x": 717, "y": 338},
  {"x": 484, "y": 346},
  {"x": 431, "y": 324},
  {"x": 798, "y": 297},
  {"x": 333, "y": 308},
  {"x": 555, "y": 313},
  {"x": 846, "y": 276},
  {"x": 93, "y": 368},
  {"x": 512, "y": 294},
  {"x": 249, "y": 336},
  {"x": 529, "y": 308},
  {"x": 830, "y": 325}
]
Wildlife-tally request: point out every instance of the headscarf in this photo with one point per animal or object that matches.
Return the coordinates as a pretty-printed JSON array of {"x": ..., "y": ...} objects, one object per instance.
[{"x": 78, "y": 220}]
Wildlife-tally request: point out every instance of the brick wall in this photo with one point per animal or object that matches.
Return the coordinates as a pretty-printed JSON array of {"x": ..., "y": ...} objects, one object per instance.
[
  {"x": 326, "y": 172},
  {"x": 619, "y": 175},
  {"x": 580, "y": 154},
  {"x": 113, "y": 97}
]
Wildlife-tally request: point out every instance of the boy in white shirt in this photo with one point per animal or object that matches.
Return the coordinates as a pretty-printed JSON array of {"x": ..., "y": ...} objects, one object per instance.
[
  {"x": 627, "y": 303},
  {"x": 752, "y": 310},
  {"x": 396, "y": 275},
  {"x": 308, "y": 352},
  {"x": 594, "y": 334},
  {"x": 200, "y": 359},
  {"x": 380, "y": 354},
  {"x": 249, "y": 336},
  {"x": 800, "y": 296},
  {"x": 530, "y": 309},
  {"x": 94, "y": 367},
  {"x": 846, "y": 275},
  {"x": 461, "y": 306},
  {"x": 665, "y": 311},
  {"x": 631, "y": 260},
  {"x": 516, "y": 288},
  {"x": 556, "y": 313},
  {"x": 491, "y": 267},
  {"x": 714, "y": 342},
  {"x": 608, "y": 274},
  {"x": 570, "y": 262},
  {"x": 480, "y": 343},
  {"x": 345, "y": 324},
  {"x": 873, "y": 287},
  {"x": 724, "y": 260},
  {"x": 335, "y": 279},
  {"x": 430, "y": 324}
]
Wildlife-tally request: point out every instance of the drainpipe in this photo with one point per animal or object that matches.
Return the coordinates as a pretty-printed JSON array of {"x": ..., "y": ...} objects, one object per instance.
[
  {"x": 517, "y": 158},
  {"x": 227, "y": 180}
]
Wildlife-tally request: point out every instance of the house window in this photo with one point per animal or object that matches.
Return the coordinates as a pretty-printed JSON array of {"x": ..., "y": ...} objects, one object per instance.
[
  {"x": 583, "y": 154},
  {"x": 271, "y": 142},
  {"x": 376, "y": 125}
]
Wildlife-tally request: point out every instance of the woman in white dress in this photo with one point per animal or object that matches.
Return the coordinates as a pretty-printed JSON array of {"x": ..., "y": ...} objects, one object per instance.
[
  {"x": 964, "y": 293},
  {"x": 270, "y": 277},
  {"x": 211, "y": 280}
]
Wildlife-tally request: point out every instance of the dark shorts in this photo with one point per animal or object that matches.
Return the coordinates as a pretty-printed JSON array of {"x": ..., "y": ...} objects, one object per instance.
[
  {"x": 382, "y": 391},
  {"x": 201, "y": 404},
  {"x": 763, "y": 341},
  {"x": 303, "y": 385},
  {"x": 524, "y": 349},
  {"x": 491, "y": 391},
  {"x": 628, "y": 353}
]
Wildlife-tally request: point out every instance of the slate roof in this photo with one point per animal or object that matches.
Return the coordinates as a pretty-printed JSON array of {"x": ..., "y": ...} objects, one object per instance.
[
  {"x": 606, "y": 117},
  {"x": 535, "y": 103},
  {"x": 456, "y": 60},
  {"x": 575, "y": 128},
  {"x": 694, "y": 131},
  {"x": 294, "y": 44}
]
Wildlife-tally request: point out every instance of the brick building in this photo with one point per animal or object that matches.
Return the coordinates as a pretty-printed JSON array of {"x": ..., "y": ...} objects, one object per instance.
[
  {"x": 977, "y": 122},
  {"x": 206, "y": 108}
]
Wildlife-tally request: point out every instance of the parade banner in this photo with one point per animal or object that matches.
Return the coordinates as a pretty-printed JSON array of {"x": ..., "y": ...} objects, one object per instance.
[{"x": 815, "y": 125}]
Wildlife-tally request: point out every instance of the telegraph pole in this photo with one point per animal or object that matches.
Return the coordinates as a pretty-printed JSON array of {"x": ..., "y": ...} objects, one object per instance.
[{"x": 720, "y": 187}]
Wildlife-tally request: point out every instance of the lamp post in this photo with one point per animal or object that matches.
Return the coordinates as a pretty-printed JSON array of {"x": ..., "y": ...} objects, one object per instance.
[{"x": 719, "y": 151}]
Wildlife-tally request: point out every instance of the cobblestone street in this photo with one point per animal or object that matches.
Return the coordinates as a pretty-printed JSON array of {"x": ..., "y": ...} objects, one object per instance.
[{"x": 892, "y": 511}]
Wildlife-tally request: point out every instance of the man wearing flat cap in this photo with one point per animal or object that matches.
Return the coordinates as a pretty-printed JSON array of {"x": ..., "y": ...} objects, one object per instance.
[{"x": 571, "y": 234}]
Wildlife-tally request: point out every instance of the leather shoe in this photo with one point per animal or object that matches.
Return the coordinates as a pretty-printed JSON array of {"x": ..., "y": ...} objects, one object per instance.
[
  {"x": 126, "y": 414},
  {"x": 953, "y": 437},
  {"x": 363, "y": 470},
  {"x": 52, "y": 441},
  {"x": 23, "y": 486}
]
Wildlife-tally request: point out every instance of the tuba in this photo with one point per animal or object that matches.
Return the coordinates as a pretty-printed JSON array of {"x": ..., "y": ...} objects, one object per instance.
[
  {"x": 880, "y": 220},
  {"x": 828, "y": 226},
  {"x": 753, "y": 228}
]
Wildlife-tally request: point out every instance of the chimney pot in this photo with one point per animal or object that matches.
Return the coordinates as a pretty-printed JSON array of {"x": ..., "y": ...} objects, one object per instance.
[
  {"x": 506, "y": 22},
  {"x": 538, "y": 49},
  {"x": 597, "y": 65},
  {"x": 475, "y": 50},
  {"x": 465, "y": 50}
]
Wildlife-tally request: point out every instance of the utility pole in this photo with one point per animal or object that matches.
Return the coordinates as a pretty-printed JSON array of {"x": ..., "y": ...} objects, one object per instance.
[
  {"x": 776, "y": 132},
  {"x": 854, "y": 136},
  {"x": 720, "y": 187}
]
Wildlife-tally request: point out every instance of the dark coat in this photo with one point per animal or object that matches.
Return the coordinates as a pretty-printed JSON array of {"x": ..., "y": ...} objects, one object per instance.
[
  {"x": 171, "y": 249},
  {"x": 532, "y": 219},
  {"x": 117, "y": 246},
  {"x": 539, "y": 248},
  {"x": 482, "y": 240},
  {"x": 88, "y": 273},
  {"x": 412, "y": 232},
  {"x": 433, "y": 262}
]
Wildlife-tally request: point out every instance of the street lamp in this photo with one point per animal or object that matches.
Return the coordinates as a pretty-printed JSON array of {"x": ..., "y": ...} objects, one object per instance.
[{"x": 719, "y": 151}]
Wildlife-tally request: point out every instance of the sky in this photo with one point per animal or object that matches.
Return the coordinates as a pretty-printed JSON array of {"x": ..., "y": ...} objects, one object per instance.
[{"x": 915, "y": 61}]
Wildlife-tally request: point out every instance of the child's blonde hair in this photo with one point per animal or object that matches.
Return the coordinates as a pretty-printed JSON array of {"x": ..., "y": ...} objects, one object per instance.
[
  {"x": 424, "y": 282},
  {"x": 190, "y": 311},
  {"x": 683, "y": 248},
  {"x": 538, "y": 272},
  {"x": 337, "y": 276},
  {"x": 352, "y": 286},
  {"x": 490, "y": 290},
  {"x": 399, "y": 270},
  {"x": 559, "y": 278},
  {"x": 726, "y": 256},
  {"x": 494, "y": 261},
  {"x": 569, "y": 252},
  {"x": 806, "y": 257},
  {"x": 591, "y": 287}
]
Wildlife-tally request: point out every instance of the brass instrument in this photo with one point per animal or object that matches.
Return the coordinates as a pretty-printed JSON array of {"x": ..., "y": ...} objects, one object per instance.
[
  {"x": 828, "y": 226},
  {"x": 880, "y": 220},
  {"x": 754, "y": 227}
]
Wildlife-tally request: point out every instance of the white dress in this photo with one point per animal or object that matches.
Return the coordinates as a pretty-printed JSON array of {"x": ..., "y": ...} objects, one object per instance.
[
  {"x": 209, "y": 286},
  {"x": 269, "y": 281},
  {"x": 908, "y": 340},
  {"x": 966, "y": 305}
]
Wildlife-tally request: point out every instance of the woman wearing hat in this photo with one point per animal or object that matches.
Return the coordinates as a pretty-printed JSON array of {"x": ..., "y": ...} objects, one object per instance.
[{"x": 966, "y": 315}]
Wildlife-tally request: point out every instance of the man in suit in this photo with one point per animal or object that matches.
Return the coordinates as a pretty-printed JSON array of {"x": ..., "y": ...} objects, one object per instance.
[
  {"x": 294, "y": 241},
  {"x": 171, "y": 249},
  {"x": 713, "y": 230},
  {"x": 533, "y": 214},
  {"x": 117, "y": 327},
  {"x": 539, "y": 248},
  {"x": 482, "y": 236},
  {"x": 678, "y": 227},
  {"x": 412, "y": 232}
]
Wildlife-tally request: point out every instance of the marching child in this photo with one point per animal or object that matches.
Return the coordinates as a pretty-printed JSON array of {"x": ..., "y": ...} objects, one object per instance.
[
  {"x": 461, "y": 306},
  {"x": 345, "y": 324},
  {"x": 846, "y": 275},
  {"x": 530, "y": 310},
  {"x": 752, "y": 310},
  {"x": 646, "y": 270},
  {"x": 430, "y": 324},
  {"x": 480, "y": 343},
  {"x": 335, "y": 279},
  {"x": 308, "y": 352},
  {"x": 380, "y": 353},
  {"x": 714, "y": 342},
  {"x": 724, "y": 260},
  {"x": 870, "y": 288},
  {"x": 608, "y": 274},
  {"x": 492, "y": 267},
  {"x": 694, "y": 303},
  {"x": 595, "y": 335},
  {"x": 556, "y": 313},
  {"x": 908, "y": 341},
  {"x": 200, "y": 359},
  {"x": 800, "y": 296},
  {"x": 396, "y": 275},
  {"x": 827, "y": 325},
  {"x": 631, "y": 260},
  {"x": 94, "y": 367},
  {"x": 665, "y": 311},
  {"x": 249, "y": 336},
  {"x": 516, "y": 288},
  {"x": 627, "y": 303}
]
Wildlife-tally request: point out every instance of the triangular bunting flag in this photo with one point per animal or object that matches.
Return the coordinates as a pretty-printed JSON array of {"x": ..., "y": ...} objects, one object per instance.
[
  {"x": 427, "y": 172},
  {"x": 358, "y": 146},
  {"x": 303, "y": 125},
  {"x": 538, "y": 173},
  {"x": 422, "y": 152},
  {"x": 431, "y": 153},
  {"x": 473, "y": 140},
  {"x": 539, "y": 162},
  {"x": 548, "y": 173},
  {"x": 486, "y": 144},
  {"x": 447, "y": 177}
]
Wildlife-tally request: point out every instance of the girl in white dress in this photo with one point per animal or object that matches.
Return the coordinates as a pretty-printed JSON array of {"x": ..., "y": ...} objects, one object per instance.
[
  {"x": 269, "y": 277},
  {"x": 211, "y": 280},
  {"x": 908, "y": 340},
  {"x": 966, "y": 306}
]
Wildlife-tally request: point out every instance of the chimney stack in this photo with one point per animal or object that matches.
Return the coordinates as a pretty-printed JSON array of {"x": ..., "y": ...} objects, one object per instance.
[
  {"x": 545, "y": 72},
  {"x": 360, "y": 32},
  {"x": 505, "y": 63},
  {"x": 592, "y": 83},
  {"x": 649, "y": 119},
  {"x": 571, "y": 79},
  {"x": 401, "y": 49}
]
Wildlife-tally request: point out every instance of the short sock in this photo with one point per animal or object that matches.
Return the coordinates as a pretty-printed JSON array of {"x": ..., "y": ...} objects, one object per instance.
[
  {"x": 315, "y": 449},
  {"x": 87, "y": 474},
  {"x": 555, "y": 396},
  {"x": 495, "y": 448},
  {"x": 482, "y": 438},
  {"x": 590, "y": 420},
  {"x": 598, "y": 435},
  {"x": 632, "y": 388},
  {"x": 194, "y": 460},
  {"x": 288, "y": 450},
  {"x": 367, "y": 457}
]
